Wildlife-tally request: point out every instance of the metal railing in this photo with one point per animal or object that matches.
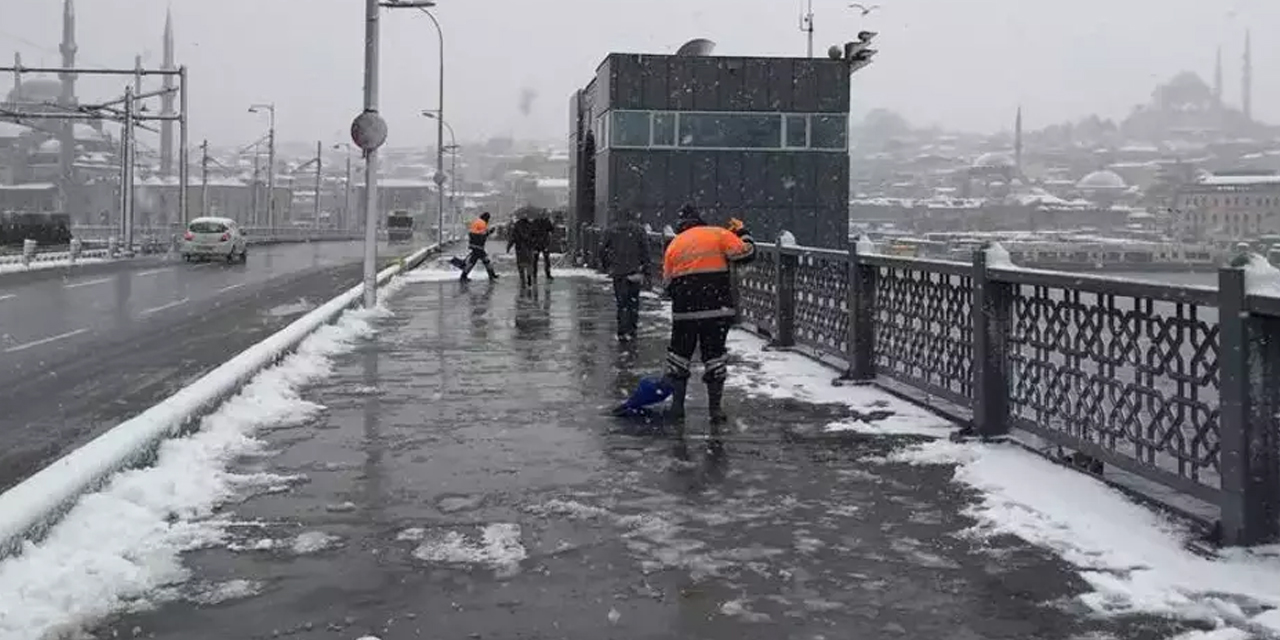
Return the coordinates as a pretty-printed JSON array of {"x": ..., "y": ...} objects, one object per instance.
[
  {"x": 1178, "y": 385},
  {"x": 255, "y": 235}
]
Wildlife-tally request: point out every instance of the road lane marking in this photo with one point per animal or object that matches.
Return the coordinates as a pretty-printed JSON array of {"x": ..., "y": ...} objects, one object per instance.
[
  {"x": 8, "y": 295},
  {"x": 154, "y": 271},
  {"x": 86, "y": 283},
  {"x": 23, "y": 347},
  {"x": 222, "y": 290},
  {"x": 166, "y": 306}
]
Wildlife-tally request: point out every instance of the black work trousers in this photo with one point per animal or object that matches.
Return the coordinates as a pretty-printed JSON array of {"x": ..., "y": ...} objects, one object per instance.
[
  {"x": 527, "y": 265},
  {"x": 626, "y": 293},
  {"x": 545, "y": 254},
  {"x": 478, "y": 254},
  {"x": 708, "y": 336}
]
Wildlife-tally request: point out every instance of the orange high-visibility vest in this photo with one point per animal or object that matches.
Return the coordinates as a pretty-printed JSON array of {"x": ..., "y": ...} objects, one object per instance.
[
  {"x": 703, "y": 249},
  {"x": 479, "y": 226}
]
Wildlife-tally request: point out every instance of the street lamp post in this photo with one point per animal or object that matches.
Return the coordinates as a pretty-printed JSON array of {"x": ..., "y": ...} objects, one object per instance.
[
  {"x": 369, "y": 132},
  {"x": 346, "y": 196},
  {"x": 441, "y": 125},
  {"x": 271, "y": 161},
  {"x": 423, "y": 5}
]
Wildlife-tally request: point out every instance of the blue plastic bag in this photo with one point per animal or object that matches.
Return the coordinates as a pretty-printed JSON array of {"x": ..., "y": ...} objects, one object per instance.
[{"x": 650, "y": 391}]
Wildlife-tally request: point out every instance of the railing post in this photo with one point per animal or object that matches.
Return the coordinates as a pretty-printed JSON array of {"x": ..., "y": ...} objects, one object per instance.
[
  {"x": 784, "y": 300},
  {"x": 861, "y": 302},
  {"x": 28, "y": 251},
  {"x": 992, "y": 310},
  {"x": 1249, "y": 459}
]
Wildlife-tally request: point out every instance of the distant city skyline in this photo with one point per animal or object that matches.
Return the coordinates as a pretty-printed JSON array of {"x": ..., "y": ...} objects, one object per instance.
[{"x": 1101, "y": 61}]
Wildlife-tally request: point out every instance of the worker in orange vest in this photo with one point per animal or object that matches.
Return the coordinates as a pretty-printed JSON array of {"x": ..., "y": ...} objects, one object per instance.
[
  {"x": 696, "y": 271},
  {"x": 477, "y": 238}
]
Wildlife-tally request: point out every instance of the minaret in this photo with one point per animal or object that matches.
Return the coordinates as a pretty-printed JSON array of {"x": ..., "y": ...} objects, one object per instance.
[
  {"x": 67, "y": 102},
  {"x": 166, "y": 101},
  {"x": 1246, "y": 101},
  {"x": 1217, "y": 81},
  {"x": 17, "y": 77},
  {"x": 1017, "y": 142}
]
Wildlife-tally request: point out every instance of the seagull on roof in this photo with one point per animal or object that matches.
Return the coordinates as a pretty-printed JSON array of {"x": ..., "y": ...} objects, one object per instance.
[{"x": 865, "y": 9}]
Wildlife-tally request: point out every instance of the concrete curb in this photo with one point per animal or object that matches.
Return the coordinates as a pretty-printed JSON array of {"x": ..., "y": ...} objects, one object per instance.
[{"x": 28, "y": 509}]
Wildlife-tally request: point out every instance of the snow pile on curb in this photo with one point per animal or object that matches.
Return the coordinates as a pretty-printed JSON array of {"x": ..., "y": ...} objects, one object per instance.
[
  {"x": 123, "y": 543},
  {"x": 1135, "y": 560},
  {"x": 18, "y": 267}
]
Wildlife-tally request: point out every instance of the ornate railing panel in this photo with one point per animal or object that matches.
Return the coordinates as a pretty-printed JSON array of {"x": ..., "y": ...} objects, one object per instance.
[
  {"x": 821, "y": 303},
  {"x": 1135, "y": 376},
  {"x": 923, "y": 333},
  {"x": 757, "y": 290}
]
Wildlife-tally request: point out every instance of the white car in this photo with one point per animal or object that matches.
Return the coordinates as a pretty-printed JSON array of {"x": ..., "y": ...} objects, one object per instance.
[{"x": 210, "y": 238}]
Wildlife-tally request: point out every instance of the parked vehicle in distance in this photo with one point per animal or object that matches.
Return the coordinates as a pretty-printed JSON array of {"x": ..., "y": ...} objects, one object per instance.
[
  {"x": 210, "y": 238},
  {"x": 399, "y": 226}
]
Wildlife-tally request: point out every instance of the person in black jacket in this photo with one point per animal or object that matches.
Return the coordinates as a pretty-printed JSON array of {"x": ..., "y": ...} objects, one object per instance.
[
  {"x": 521, "y": 237},
  {"x": 542, "y": 229},
  {"x": 624, "y": 254}
]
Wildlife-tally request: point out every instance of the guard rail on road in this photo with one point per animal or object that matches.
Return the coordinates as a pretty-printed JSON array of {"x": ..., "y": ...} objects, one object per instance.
[{"x": 255, "y": 235}]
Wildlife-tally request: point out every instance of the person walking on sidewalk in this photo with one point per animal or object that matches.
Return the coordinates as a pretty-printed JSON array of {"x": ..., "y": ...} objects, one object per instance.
[
  {"x": 542, "y": 231},
  {"x": 521, "y": 238},
  {"x": 477, "y": 237},
  {"x": 624, "y": 254},
  {"x": 696, "y": 270}
]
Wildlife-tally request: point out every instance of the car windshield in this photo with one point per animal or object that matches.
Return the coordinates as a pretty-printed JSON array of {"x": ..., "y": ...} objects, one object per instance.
[{"x": 207, "y": 227}]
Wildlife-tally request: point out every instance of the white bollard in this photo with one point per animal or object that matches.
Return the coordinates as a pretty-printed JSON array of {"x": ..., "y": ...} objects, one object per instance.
[
  {"x": 28, "y": 251},
  {"x": 113, "y": 245},
  {"x": 75, "y": 249}
]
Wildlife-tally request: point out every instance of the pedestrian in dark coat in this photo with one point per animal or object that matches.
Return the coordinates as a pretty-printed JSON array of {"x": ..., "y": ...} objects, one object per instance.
[
  {"x": 543, "y": 229},
  {"x": 624, "y": 254},
  {"x": 521, "y": 239}
]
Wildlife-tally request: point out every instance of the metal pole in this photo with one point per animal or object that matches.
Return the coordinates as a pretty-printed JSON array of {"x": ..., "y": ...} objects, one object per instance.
[
  {"x": 124, "y": 171},
  {"x": 439, "y": 129},
  {"x": 184, "y": 175},
  {"x": 204, "y": 178},
  {"x": 256, "y": 200},
  {"x": 371, "y": 156},
  {"x": 319, "y": 161},
  {"x": 347, "y": 220},
  {"x": 271, "y": 171},
  {"x": 128, "y": 170}
]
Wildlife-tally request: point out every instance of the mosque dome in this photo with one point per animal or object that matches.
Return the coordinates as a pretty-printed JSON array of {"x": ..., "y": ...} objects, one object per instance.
[
  {"x": 36, "y": 91},
  {"x": 994, "y": 159},
  {"x": 1102, "y": 180}
]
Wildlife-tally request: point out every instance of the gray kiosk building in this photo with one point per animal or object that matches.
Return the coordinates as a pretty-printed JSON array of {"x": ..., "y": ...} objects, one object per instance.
[{"x": 762, "y": 139}]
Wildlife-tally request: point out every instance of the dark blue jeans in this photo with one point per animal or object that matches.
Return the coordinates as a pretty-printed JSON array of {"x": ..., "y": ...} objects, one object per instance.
[{"x": 627, "y": 295}]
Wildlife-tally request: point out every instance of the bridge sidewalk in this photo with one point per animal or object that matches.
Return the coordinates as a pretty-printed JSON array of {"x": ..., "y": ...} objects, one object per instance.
[{"x": 462, "y": 483}]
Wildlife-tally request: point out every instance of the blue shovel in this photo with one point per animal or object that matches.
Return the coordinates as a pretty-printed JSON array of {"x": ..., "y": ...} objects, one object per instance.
[{"x": 650, "y": 391}]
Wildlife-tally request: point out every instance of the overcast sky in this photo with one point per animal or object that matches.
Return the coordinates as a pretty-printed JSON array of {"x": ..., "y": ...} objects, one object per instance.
[{"x": 959, "y": 63}]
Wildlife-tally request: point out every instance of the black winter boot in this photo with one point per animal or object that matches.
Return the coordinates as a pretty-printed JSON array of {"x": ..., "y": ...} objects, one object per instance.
[
  {"x": 715, "y": 398},
  {"x": 681, "y": 386}
]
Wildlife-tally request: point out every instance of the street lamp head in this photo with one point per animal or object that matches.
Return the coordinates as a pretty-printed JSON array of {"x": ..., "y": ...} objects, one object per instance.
[
  {"x": 408, "y": 4},
  {"x": 430, "y": 114}
]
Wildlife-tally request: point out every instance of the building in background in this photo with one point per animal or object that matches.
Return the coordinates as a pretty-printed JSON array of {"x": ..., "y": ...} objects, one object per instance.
[{"x": 763, "y": 139}]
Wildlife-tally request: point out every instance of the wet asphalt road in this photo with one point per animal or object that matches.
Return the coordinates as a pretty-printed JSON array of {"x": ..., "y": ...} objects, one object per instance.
[
  {"x": 79, "y": 354},
  {"x": 476, "y": 413}
]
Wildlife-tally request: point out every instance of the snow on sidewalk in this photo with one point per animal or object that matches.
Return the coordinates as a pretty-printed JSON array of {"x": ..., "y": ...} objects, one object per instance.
[
  {"x": 120, "y": 549},
  {"x": 1135, "y": 560}
]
